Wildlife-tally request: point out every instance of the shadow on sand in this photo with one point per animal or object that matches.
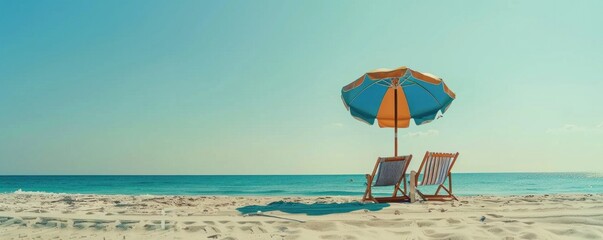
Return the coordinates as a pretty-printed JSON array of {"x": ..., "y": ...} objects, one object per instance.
[{"x": 312, "y": 209}]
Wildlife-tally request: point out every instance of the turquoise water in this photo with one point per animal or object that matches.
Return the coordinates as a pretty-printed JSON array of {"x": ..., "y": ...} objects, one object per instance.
[{"x": 301, "y": 185}]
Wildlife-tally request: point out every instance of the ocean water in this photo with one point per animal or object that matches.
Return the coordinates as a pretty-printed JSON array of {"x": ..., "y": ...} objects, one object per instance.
[{"x": 464, "y": 184}]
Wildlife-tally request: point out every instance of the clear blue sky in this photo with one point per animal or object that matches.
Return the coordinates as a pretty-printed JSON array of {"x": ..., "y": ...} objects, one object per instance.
[{"x": 253, "y": 87}]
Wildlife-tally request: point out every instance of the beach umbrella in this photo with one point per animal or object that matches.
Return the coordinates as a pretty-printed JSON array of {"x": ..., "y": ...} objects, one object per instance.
[{"x": 394, "y": 96}]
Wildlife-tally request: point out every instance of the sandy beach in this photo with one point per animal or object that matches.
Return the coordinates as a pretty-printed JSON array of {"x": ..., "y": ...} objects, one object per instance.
[{"x": 71, "y": 216}]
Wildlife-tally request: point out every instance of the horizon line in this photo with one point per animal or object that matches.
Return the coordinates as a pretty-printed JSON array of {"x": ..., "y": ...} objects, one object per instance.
[{"x": 326, "y": 174}]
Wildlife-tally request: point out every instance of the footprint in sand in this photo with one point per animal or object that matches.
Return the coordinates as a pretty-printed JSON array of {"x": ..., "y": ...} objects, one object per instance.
[
  {"x": 50, "y": 222},
  {"x": 453, "y": 221},
  {"x": 282, "y": 228},
  {"x": 319, "y": 226},
  {"x": 97, "y": 224},
  {"x": 193, "y": 228},
  {"x": 253, "y": 229},
  {"x": 495, "y": 230},
  {"x": 4, "y": 219},
  {"x": 387, "y": 224},
  {"x": 126, "y": 224},
  {"x": 425, "y": 224},
  {"x": 211, "y": 230},
  {"x": 215, "y": 236},
  {"x": 250, "y": 222},
  {"x": 354, "y": 223},
  {"x": 529, "y": 236},
  {"x": 14, "y": 221},
  {"x": 334, "y": 237},
  {"x": 156, "y": 225}
]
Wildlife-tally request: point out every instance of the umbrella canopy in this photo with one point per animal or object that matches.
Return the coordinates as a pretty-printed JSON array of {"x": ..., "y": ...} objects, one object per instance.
[{"x": 394, "y": 96}]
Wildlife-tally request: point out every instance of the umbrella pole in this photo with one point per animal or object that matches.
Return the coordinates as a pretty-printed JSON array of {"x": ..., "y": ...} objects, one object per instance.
[{"x": 396, "y": 122}]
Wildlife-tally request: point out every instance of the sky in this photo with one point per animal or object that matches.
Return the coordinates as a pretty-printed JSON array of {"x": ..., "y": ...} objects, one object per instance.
[{"x": 253, "y": 87}]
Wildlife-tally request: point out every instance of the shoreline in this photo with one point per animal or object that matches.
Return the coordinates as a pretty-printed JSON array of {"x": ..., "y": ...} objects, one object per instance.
[
  {"x": 500, "y": 184},
  {"x": 359, "y": 196},
  {"x": 50, "y": 215}
]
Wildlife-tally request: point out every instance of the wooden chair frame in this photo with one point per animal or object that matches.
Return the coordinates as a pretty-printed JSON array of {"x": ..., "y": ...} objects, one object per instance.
[
  {"x": 448, "y": 177},
  {"x": 368, "y": 194}
]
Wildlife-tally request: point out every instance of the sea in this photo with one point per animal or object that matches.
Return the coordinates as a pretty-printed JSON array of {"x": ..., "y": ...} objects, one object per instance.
[{"x": 464, "y": 184}]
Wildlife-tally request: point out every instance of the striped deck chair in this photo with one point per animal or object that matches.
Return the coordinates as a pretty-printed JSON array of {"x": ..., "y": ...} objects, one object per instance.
[
  {"x": 388, "y": 171},
  {"x": 437, "y": 170}
]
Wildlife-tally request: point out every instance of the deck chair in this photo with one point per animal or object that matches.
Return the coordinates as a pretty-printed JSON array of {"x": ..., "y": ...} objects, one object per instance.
[
  {"x": 436, "y": 170},
  {"x": 388, "y": 171}
]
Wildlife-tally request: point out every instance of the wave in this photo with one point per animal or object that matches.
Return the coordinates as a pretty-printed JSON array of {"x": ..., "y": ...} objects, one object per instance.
[
  {"x": 20, "y": 191},
  {"x": 335, "y": 193},
  {"x": 594, "y": 174},
  {"x": 235, "y": 192}
]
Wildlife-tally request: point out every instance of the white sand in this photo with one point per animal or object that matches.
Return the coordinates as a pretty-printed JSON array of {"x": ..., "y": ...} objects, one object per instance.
[{"x": 63, "y": 216}]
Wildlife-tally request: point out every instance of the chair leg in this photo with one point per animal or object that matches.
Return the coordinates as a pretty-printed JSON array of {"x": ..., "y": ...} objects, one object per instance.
[
  {"x": 401, "y": 192},
  {"x": 450, "y": 187},
  {"x": 437, "y": 196},
  {"x": 450, "y": 193},
  {"x": 404, "y": 192},
  {"x": 421, "y": 194},
  {"x": 404, "y": 180},
  {"x": 396, "y": 187},
  {"x": 438, "y": 190},
  {"x": 368, "y": 195}
]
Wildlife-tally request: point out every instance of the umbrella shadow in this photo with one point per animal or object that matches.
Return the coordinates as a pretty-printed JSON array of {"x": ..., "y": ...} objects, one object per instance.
[{"x": 314, "y": 209}]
